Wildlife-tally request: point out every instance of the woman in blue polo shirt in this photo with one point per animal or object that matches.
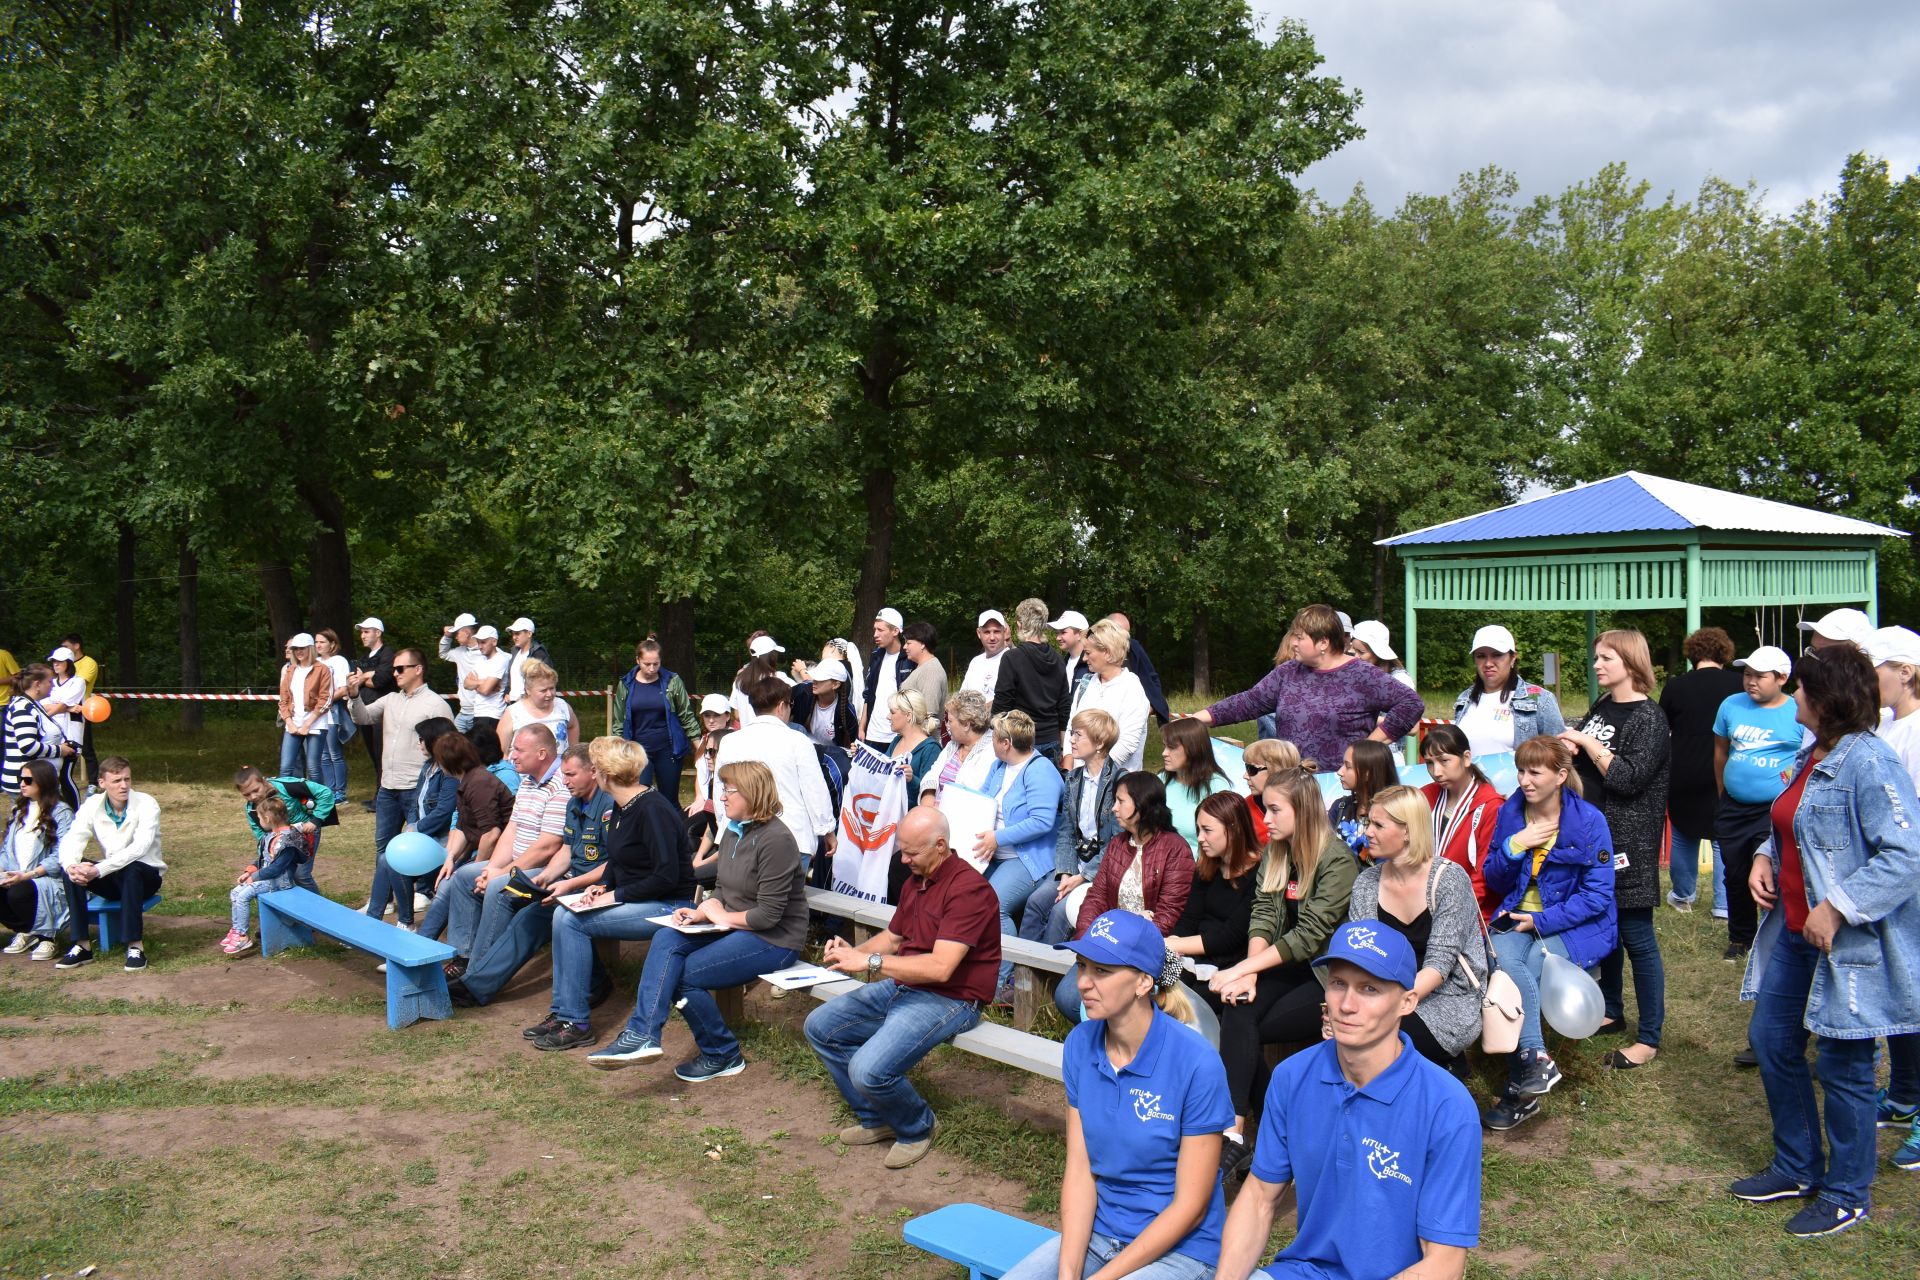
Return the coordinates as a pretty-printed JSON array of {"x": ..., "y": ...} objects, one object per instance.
[{"x": 1145, "y": 1200}]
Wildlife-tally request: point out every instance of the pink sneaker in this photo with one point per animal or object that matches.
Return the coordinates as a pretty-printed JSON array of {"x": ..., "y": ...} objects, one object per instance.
[
  {"x": 228, "y": 940},
  {"x": 236, "y": 944}
]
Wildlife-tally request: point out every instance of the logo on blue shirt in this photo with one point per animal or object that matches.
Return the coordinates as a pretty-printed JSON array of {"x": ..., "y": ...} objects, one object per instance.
[
  {"x": 1383, "y": 1163},
  {"x": 1147, "y": 1106}
]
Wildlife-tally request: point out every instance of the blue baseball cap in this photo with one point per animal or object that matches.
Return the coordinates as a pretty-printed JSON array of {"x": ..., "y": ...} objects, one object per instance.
[
  {"x": 1381, "y": 951},
  {"x": 1122, "y": 938}
]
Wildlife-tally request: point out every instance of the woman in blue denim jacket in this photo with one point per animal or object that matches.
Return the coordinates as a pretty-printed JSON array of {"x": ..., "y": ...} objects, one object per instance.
[
  {"x": 1838, "y": 952},
  {"x": 1501, "y": 708}
]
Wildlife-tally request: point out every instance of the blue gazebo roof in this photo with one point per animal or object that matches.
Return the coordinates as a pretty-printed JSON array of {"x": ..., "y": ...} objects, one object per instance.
[{"x": 1634, "y": 502}]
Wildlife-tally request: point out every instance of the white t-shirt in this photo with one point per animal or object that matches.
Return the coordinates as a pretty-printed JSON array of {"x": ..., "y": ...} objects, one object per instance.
[
  {"x": 72, "y": 692},
  {"x": 820, "y": 723},
  {"x": 340, "y": 669},
  {"x": 1125, "y": 699},
  {"x": 885, "y": 686},
  {"x": 300, "y": 677},
  {"x": 1488, "y": 724},
  {"x": 1903, "y": 735},
  {"x": 558, "y": 721},
  {"x": 487, "y": 706},
  {"x": 742, "y": 708},
  {"x": 983, "y": 674},
  {"x": 516, "y": 675}
]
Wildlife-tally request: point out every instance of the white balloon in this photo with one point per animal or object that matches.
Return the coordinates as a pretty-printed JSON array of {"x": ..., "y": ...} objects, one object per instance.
[
  {"x": 1570, "y": 998},
  {"x": 1204, "y": 1020}
]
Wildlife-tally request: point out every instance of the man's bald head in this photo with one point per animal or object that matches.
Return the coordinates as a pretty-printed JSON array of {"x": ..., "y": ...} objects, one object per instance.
[{"x": 922, "y": 840}]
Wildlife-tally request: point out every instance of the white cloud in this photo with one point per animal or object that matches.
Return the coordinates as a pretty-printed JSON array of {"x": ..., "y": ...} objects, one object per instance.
[{"x": 1767, "y": 91}]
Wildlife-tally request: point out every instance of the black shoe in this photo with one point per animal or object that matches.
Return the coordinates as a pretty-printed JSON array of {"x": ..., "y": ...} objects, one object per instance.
[
  {"x": 599, "y": 996},
  {"x": 1510, "y": 1111},
  {"x": 552, "y": 1024},
  {"x": 567, "y": 1037},
  {"x": 455, "y": 968},
  {"x": 136, "y": 959},
  {"x": 1611, "y": 1027},
  {"x": 1736, "y": 951},
  {"x": 1767, "y": 1186},
  {"x": 462, "y": 997},
  {"x": 78, "y": 954},
  {"x": 1746, "y": 1058},
  {"x": 1537, "y": 1077},
  {"x": 1235, "y": 1159},
  {"x": 368, "y": 805}
]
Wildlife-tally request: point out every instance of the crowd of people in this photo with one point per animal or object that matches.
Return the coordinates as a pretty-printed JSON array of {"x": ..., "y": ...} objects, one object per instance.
[{"x": 1355, "y": 941}]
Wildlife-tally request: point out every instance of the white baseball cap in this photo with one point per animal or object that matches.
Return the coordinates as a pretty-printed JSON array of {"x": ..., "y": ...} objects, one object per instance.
[
  {"x": 1769, "y": 657},
  {"x": 1495, "y": 637},
  {"x": 371, "y": 624},
  {"x": 827, "y": 669},
  {"x": 301, "y": 640},
  {"x": 991, "y": 615},
  {"x": 1893, "y": 644},
  {"x": 1346, "y": 623},
  {"x": 715, "y": 704},
  {"x": 486, "y": 633},
  {"x": 1071, "y": 618},
  {"x": 464, "y": 620},
  {"x": 64, "y": 654},
  {"x": 1850, "y": 625},
  {"x": 521, "y": 624},
  {"x": 764, "y": 645},
  {"x": 1374, "y": 636},
  {"x": 891, "y": 616}
]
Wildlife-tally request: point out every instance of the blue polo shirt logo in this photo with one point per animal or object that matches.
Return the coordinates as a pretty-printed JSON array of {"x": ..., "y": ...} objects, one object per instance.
[
  {"x": 1383, "y": 1163},
  {"x": 1146, "y": 1106}
]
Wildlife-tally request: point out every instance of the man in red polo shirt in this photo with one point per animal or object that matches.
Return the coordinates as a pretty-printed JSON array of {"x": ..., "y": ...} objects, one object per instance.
[{"x": 930, "y": 974}]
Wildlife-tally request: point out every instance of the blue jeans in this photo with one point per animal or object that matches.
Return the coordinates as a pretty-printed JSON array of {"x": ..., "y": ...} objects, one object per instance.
[
  {"x": 662, "y": 772},
  {"x": 1638, "y": 945},
  {"x": 333, "y": 760},
  {"x": 1066, "y": 996},
  {"x": 1522, "y": 956},
  {"x": 1267, "y": 726},
  {"x": 464, "y": 907},
  {"x": 689, "y": 966},
  {"x": 1903, "y": 1081},
  {"x": 1013, "y": 885},
  {"x": 869, "y": 1039},
  {"x": 1843, "y": 1175},
  {"x": 1044, "y": 1263},
  {"x": 529, "y": 929},
  {"x": 241, "y": 897},
  {"x": 1033, "y": 920},
  {"x": 1683, "y": 869},
  {"x": 300, "y": 756},
  {"x": 391, "y": 810},
  {"x": 573, "y": 960}
]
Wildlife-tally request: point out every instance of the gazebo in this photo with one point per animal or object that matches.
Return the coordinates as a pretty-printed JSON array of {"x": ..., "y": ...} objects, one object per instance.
[{"x": 1635, "y": 541}]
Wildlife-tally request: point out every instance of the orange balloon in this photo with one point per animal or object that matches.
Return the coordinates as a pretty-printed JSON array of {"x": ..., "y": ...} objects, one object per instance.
[{"x": 96, "y": 708}]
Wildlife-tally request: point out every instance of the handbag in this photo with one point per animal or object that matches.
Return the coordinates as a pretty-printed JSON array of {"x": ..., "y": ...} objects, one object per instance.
[{"x": 1501, "y": 1008}]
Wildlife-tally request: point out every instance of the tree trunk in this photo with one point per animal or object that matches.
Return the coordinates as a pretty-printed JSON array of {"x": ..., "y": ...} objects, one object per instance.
[
  {"x": 331, "y": 586},
  {"x": 283, "y": 604},
  {"x": 876, "y": 557},
  {"x": 676, "y": 642},
  {"x": 1379, "y": 566},
  {"x": 1202, "y": 656},
  {"x": 127, "y": 657},
  {"x": 192, "y": 719}
]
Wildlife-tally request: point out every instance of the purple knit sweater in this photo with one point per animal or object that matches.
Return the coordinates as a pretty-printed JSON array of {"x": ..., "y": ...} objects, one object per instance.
[{"x": 1323, "y": 712}]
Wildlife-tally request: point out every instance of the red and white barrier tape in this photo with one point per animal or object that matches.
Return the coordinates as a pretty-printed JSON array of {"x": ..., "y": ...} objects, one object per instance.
[{"x": 113, "y": 694}]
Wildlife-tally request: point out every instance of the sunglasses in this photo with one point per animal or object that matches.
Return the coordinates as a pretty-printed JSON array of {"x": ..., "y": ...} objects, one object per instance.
[{"x": 406, "y": 666}]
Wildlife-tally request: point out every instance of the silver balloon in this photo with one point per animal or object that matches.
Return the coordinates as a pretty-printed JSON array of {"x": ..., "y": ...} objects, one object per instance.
[
  {"x": 1204, "y": 1020},
  {"x": 1570, "y": 999}
]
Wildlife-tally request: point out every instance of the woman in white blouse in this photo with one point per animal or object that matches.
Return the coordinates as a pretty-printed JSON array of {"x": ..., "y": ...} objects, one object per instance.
[{"x": 1114, "y": 690}]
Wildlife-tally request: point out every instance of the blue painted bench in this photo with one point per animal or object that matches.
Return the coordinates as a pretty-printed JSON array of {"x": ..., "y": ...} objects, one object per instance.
[
  {"x": 985, "y": 1241},
  {"x": 416, "y": 984},
  {"x": 106, "y": 915}
]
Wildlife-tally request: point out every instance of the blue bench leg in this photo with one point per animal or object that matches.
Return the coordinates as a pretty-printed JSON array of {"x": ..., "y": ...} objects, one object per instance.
[
  {"x": 277, "y": 932},
  {"x": 104, "y": 920},
  {"x": 416, "y": 991}
]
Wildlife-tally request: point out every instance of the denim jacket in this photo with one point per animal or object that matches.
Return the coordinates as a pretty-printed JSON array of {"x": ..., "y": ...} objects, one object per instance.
[
  {"x": 1066, "y": 844},
  {"x": 1535, "y": 710},
  {"x": 1859, "y": 850}
]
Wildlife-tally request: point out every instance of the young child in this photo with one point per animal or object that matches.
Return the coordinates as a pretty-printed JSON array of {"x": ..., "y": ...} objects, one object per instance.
[{"x": 283, "y": 850}]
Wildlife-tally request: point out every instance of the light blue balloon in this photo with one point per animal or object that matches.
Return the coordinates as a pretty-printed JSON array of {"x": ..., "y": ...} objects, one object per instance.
[
  {"x": 412, "y": 854},
  {"x": 1570, "y": 998}
]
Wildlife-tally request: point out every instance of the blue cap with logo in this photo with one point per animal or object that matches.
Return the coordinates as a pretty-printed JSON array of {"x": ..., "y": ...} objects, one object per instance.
[
  {"x": 1383, "y": 952},
  {"x": 1122, "y": 938}
]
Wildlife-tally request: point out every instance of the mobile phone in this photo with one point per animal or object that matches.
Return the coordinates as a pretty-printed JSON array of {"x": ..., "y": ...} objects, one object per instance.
[{"x": 1501, "y": 924}]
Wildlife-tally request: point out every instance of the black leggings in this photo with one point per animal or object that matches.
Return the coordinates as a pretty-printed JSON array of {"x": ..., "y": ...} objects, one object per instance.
[
  {"x": 1285, "y": 1008},
  {"x": 17, "y": 906}
]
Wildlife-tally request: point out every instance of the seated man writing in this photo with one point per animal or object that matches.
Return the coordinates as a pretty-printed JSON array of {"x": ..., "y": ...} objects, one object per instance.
[
  {"x": 534, "y": 843},
  {"x": 126, "y": 825},
  {"x": 932, "y": 972},
  {"x": 1383, "y": 1146}
]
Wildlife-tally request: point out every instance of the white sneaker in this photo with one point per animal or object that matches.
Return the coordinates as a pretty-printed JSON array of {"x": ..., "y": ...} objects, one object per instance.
[
  {"x": 362, "y": 908},
  {"x": 420, "y": 903},
  {"x": 21, "y": 941},
  {"x": 381, "y": 967},
  {"x": 45, "y": 951}
]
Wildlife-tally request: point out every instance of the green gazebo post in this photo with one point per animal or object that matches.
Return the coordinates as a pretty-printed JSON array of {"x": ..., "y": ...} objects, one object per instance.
[{"x": 1635, "y": 541}]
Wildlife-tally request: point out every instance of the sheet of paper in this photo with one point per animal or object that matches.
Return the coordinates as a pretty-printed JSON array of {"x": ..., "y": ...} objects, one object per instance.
[
  {"x": 704, "y": 926},
  {"x": 800, "y": 976},
  {"x": 969, "y": 814},
  {"x": 571, "y": 901}
]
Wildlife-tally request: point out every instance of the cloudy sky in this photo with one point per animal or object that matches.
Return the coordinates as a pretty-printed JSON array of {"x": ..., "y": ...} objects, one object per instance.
[{"x": 1764, "y": 90}]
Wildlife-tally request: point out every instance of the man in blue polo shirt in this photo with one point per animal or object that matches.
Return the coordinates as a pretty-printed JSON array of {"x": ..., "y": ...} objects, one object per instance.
[
  {"x": 531, "y": 927},
  {"x": 1383, "y": 1146}
]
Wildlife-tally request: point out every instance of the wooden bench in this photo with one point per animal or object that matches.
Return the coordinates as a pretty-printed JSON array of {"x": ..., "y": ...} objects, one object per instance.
[
  {"x": 416, "y": 984},
  {"x": 106, "y": 915},
  {"x": 985, "y": 1241}
]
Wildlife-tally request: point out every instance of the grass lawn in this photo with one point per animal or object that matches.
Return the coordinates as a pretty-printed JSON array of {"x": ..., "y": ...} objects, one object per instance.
[{"x": 214, "y": 1117}]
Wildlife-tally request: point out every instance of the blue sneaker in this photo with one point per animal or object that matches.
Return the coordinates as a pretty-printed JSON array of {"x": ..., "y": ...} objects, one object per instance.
[
  {"x": 627, "y": 1048},
  {"x": 703, "y": 1068},
  {"x": 1768, "y": 1185},
  {"x": 1823, "y": 1218},
  {"x": 1908, "y": 1156},
  {"x": 1889, "y": 1114}
]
